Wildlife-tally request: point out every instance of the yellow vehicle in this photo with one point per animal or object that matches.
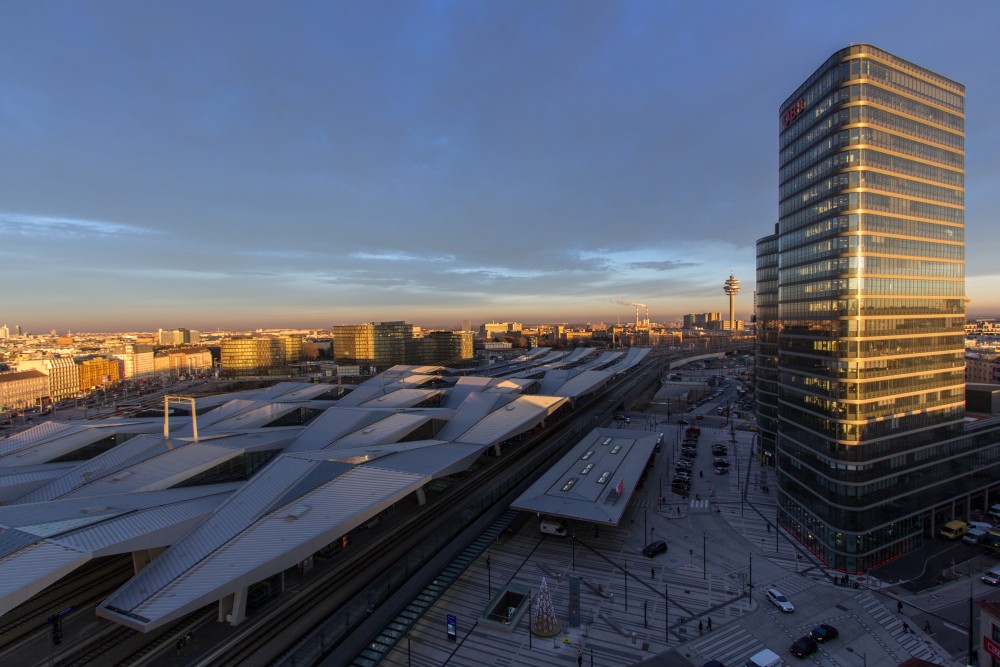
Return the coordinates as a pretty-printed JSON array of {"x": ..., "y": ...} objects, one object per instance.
[{"x": 954, "y": 530}]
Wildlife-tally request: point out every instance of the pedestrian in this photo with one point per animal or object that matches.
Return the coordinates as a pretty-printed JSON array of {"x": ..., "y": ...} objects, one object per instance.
[
  {"x": 701, "y": 473},
  {"x": 701, "y": 628},
  {"x": 927, "y": 628},
  {"x": 906, "y": 628},
  {"x": 709, "y": 623},
  {"x": 769, "y": 527},
  {"x": 899, "y": 606},
  {"x": 652, "y": 572},
  {"x": 579, "y": 658}
]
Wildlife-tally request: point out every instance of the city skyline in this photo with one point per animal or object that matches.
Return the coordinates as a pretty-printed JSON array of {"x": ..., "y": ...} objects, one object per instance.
[{"x": 240, "y": 166}]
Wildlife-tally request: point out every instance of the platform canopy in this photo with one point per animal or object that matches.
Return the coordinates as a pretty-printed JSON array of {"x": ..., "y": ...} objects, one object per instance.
[{"x": 595, "y": 481}]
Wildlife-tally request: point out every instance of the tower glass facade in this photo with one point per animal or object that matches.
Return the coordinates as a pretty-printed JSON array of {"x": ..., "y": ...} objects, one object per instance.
[{"x": 862, "y": 339}]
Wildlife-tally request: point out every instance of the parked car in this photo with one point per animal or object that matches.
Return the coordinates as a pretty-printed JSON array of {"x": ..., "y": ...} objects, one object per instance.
[
  {"x": 824, "y": 633},
  {"x": 779, "y": 600},
  {"x": 803, "y": 646},
  {"x": 954, "y": 530},
  {"x": 974, "y": 536},
  {"x": 654, "y": 548}
]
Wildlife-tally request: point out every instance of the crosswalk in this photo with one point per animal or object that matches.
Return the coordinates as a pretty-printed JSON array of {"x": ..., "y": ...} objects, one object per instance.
[{"x": 731, "y": 647}]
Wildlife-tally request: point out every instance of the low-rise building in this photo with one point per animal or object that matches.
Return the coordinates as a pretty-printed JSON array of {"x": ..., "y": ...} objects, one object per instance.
[
  {"x": 61, "y": 375},
  {"x": 22, "y": 389}
]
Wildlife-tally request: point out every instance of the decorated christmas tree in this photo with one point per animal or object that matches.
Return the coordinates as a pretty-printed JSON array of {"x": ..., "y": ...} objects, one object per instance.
[{"x": 544, "y": 622}]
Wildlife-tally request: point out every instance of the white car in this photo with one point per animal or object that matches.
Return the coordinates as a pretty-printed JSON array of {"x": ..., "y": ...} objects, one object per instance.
[{"x": 779, "y": 600}]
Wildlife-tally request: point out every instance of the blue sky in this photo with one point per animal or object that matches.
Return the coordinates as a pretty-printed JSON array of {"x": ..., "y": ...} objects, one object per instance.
[{"x": 265, "y": 164}]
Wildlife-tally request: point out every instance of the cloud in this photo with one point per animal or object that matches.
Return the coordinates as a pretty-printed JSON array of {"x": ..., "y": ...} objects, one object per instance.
[
  {"x": 670, "y": 265},
  {"x": 18, "y": 224}
]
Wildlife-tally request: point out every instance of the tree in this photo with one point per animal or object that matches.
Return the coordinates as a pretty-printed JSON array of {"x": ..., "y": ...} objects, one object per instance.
[{"x": 544, "y": 622}]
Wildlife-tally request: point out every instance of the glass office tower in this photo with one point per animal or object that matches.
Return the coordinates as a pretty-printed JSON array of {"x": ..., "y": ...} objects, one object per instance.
[{"x": 870, "y": 309}]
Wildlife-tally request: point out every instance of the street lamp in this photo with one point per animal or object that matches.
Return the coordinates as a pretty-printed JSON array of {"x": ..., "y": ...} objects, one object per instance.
[
  {"x": 626, "y": 585},
  {"x": 864, "y": 656},
  {"x": 666, "y": 612}
]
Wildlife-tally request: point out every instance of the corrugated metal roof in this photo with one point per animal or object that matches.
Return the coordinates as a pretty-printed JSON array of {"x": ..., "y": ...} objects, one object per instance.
[
  {"x": 164, "y": 590},
  {"x": 330, "y": 425},
  {"x": 432, "y": 458},
  {"x": 473, "y": 409},
  {"x": 579, "y": 354},
  {"x": 38, "y": 433},
  {"x": 390, "y": 429},
  {"x": 518, "y": 416},
  {"x": 262, "y": 414},
  {"x": 402, "y": 398},
  {"x": 583, "y": 383},
  {"x": 603, "y": 360},
  {"x": 552, "y": 381},
  {"x": 167, "y": 469},
  {"x": 111, "y": 461},
  {"x": 33, "y": 569},
  {"x": 23, "y": 481},
  {"x": 510, "y": 385}
]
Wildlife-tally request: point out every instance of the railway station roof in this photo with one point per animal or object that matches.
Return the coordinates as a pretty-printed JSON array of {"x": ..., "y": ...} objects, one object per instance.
[
  {"x": 309, "y": 484},
  {"x": 596, "y": 479},
  {"x": 41, "y": 542}
]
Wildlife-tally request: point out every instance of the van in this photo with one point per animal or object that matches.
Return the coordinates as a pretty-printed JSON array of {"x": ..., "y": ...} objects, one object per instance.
[
  {"x": 765, "y": 658},
  {"x": 954, "y": 530},
  {"x": 974, "y": 536},
  {"x": 991, "y": 576},
  {"x": 552, "y": 528}
]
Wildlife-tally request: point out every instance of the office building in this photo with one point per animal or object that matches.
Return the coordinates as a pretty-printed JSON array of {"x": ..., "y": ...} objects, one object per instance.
[
  {"x": 381, "y": 345},
  {"x": 441, "y": 348},
  {"x": 137, "y": 360},
  {"x": 260, "y": 355},
  {"x": 860, "y": 361},
  {"x": 703, "y": 321},
  {"x": 177, "y": 337}
]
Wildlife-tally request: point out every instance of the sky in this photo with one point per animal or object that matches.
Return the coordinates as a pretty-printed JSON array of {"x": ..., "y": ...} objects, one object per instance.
[{"x": 246, "y": 164}]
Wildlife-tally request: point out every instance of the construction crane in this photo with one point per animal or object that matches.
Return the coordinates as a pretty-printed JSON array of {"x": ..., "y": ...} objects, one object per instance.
[{"x": 637, "y": 307}]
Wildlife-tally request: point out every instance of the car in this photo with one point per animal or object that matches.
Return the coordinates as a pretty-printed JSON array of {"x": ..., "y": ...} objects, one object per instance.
[
  {"x": 654, "y": 548},
  {"x": 779, "y": 600},
  {"x": 803, "y": 646},
  {"x": 713, "y": 663},
  {"x": 721, "y": 470},
  {"x": 824, "y": 632},
  {"x": 700, "y": 417},
  {"x": 683, "y": 421},
  {"x": 685, "y": 475}
]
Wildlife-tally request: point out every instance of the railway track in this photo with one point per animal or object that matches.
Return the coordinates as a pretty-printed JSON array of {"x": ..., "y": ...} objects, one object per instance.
[
  {"x": 276, "y": 627},
  {"x": 92, "y": 583}
]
